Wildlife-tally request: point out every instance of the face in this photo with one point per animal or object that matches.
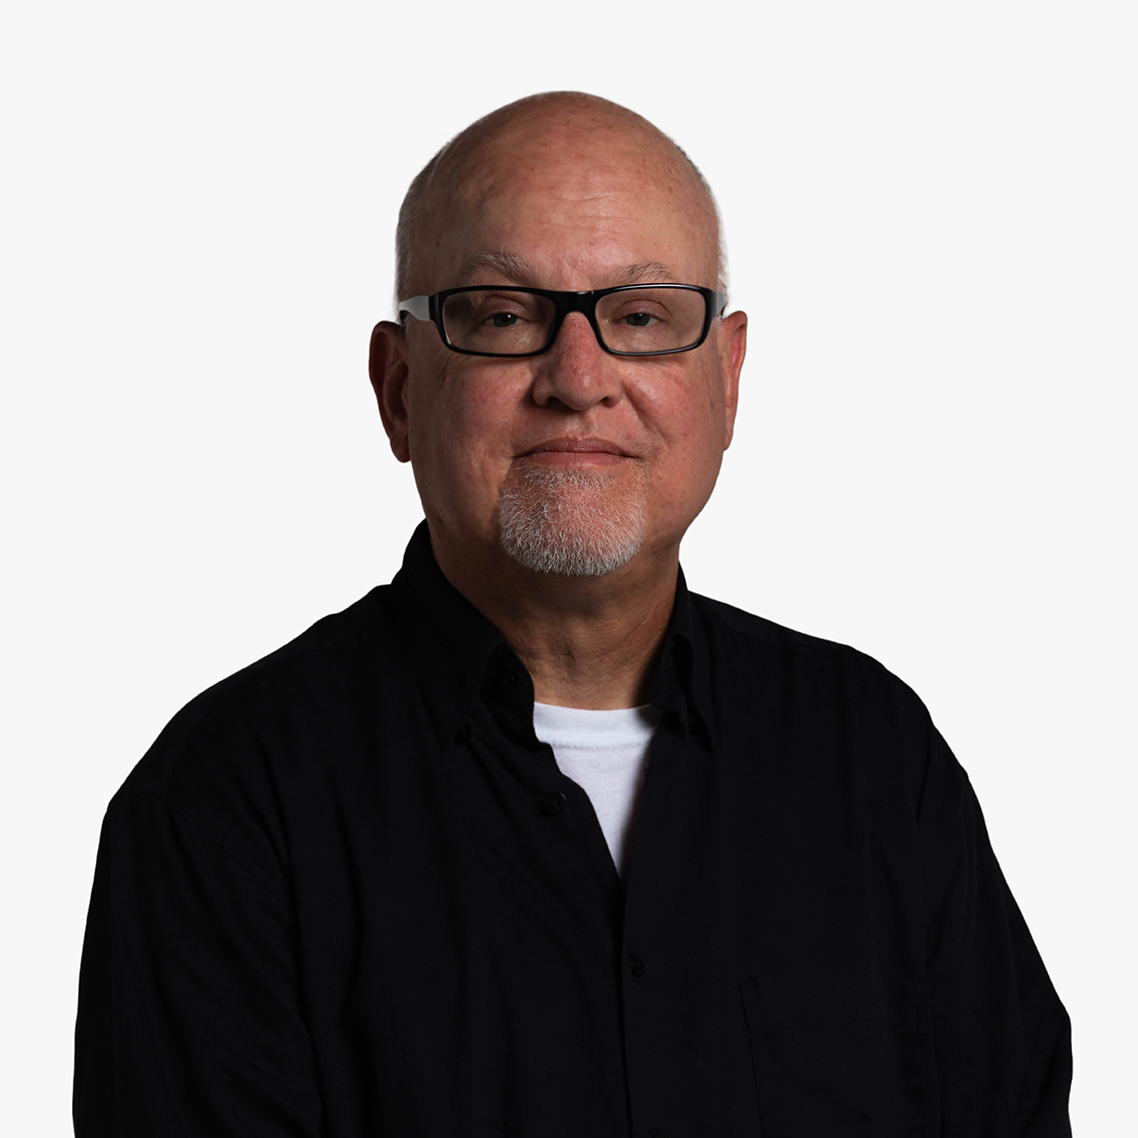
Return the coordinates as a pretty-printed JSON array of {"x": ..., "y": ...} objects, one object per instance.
[{"x": 575, "y": 461}]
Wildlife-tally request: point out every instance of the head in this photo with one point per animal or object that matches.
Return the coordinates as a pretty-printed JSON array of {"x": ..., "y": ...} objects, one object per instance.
[{"x": 574, "y": 462}]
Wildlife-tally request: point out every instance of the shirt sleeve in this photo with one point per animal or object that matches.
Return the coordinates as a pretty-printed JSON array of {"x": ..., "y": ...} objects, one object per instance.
[
  {"x": 1002, "y": 1038},
  {"x": 189, "y": 1015}
]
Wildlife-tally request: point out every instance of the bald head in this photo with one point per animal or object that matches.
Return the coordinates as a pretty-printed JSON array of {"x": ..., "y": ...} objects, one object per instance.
[{"x": 560, "y": 144}]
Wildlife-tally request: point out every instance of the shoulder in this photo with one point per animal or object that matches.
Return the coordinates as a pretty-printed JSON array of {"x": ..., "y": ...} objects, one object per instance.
[
  {"x": 816, "y": 698},
  {"x": 785, "y": 655},
  {"x": 236, "y": 759},
  {"x": 327, "y": 662},
  {"x": 831, "y": 710}
]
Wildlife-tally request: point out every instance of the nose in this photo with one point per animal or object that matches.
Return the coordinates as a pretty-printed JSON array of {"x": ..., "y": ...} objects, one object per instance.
[{"x": 576, "y": 372}]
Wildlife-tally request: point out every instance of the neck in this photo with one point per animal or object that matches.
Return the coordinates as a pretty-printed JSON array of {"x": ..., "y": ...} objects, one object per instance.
[{"x": 588, "y": 642}]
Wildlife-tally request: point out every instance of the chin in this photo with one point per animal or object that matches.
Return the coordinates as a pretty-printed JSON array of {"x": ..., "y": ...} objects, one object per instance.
[{"x": 572, "y": 523}]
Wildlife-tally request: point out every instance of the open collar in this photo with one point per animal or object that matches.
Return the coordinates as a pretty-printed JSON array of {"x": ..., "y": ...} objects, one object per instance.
[{"x": 457, "y": 654}]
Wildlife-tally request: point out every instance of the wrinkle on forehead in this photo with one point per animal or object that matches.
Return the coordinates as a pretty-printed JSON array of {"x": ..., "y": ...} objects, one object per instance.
[{"x": 515, "y": 269}]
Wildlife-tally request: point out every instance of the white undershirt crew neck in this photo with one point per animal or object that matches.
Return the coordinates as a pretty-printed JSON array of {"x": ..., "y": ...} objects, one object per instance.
[{"x": 604, "y": 753}]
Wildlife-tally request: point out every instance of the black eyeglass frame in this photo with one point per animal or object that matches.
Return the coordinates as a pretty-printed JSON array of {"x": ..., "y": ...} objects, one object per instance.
[{"x": 430, "y": 308}]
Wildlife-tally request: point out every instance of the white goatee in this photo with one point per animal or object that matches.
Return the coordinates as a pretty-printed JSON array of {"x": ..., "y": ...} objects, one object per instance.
[{"x": 573, "y": 523}]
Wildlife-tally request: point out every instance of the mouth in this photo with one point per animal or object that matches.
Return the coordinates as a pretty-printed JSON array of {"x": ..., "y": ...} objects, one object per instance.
[{"x": 575, "y": 452}]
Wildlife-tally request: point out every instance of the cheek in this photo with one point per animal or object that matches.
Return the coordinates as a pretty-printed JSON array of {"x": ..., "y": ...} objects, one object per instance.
[
  {"x": 686, "y": 411},
  {"x": 438, "y": 406},
  {"x": 459, "y": 439}
]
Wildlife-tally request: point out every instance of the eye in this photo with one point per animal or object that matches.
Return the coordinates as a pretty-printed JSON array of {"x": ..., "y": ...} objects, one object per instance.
[
  {"x": 641, "y": 315},
  {"x": 501, "y": 312},
  {"x": 501, "y": 319},
  {"x": 638, "y": 319}
]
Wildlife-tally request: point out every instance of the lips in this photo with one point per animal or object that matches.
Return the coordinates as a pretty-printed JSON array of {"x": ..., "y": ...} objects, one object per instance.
[{"x": 577, "y": 446}]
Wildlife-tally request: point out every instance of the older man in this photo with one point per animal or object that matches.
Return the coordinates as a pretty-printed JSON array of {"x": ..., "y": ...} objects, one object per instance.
[{"x": 533, "y": 841}]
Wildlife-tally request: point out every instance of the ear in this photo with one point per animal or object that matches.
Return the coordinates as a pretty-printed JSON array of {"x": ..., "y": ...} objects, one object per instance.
[
  {"x": 387, "y": 366},
  {"x": 732, "y": 349}
]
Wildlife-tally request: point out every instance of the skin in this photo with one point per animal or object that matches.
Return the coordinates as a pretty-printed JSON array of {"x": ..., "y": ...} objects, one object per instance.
[{"x": 589, "y": 196}]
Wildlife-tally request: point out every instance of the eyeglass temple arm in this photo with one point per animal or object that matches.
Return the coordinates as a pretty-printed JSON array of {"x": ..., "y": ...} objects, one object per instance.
[{"x": 417, "y": 306}]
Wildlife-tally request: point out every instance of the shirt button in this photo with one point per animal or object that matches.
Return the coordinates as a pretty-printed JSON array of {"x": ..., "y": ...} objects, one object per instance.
[
  {"x": 553, "y": 803},
  {"x": 462, "y": 735},
  {"x": 636, "y": 965},
  {"x": 506, "y": 682}
]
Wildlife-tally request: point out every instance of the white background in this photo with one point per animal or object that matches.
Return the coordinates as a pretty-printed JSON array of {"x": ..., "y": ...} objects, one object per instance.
[{"x": 930, "y": 211}]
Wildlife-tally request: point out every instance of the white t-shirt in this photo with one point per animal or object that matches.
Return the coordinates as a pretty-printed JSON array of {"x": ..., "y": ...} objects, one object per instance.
[{"x": 604, "y": 753}]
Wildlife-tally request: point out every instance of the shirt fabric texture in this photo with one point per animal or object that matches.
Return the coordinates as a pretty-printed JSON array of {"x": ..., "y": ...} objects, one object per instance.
[{"x": 349, "y": 894}]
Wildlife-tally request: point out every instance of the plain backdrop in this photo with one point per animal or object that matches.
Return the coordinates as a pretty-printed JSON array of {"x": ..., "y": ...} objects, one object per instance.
[{"x": 930, "y": 211}]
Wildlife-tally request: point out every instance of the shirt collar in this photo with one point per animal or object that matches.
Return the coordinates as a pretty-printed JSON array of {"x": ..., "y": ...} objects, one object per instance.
[
  {"x": 681, "y": 682},
  {"x": 449, "y": 642},
  {"x": 456, "y": 653}
]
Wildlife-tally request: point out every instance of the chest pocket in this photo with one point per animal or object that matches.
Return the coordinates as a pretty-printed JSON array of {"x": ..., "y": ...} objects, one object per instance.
[{"x": 839, "y": 1056}]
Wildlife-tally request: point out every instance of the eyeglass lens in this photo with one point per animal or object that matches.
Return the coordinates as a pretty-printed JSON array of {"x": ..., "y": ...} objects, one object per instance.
[{"x": 503, "y": 321}]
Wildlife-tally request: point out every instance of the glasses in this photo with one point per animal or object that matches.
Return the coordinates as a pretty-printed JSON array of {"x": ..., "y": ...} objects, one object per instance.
[{"x": 630, "y": 320}]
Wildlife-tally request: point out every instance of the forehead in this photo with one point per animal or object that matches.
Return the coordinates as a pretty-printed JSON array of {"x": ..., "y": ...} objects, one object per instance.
[{"x": 580, "y": 202}]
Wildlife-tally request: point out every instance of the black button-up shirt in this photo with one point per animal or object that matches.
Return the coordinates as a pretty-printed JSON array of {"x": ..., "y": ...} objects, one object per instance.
[{"x": 348, "y": 893}]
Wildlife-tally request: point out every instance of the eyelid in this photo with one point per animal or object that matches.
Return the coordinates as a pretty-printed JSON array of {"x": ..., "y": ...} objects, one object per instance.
[
  {"x": 622, "y": 298},
  {"x": 637, "y": 305},
  {"x": 491, "y": 298},
  {"x": 497, "y": 294},
  {"x": 500, "y": 300}
]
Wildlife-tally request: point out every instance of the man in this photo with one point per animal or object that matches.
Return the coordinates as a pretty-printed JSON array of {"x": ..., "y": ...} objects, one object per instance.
[{"x": 533, "y": 841}]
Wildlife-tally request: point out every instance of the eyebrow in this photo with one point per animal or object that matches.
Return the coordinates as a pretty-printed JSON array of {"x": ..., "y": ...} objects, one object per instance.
[
  {"x": 516, "y": 268},
  {"x": 648, "y": 272},
  {"x": 510, "y": 265}
]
